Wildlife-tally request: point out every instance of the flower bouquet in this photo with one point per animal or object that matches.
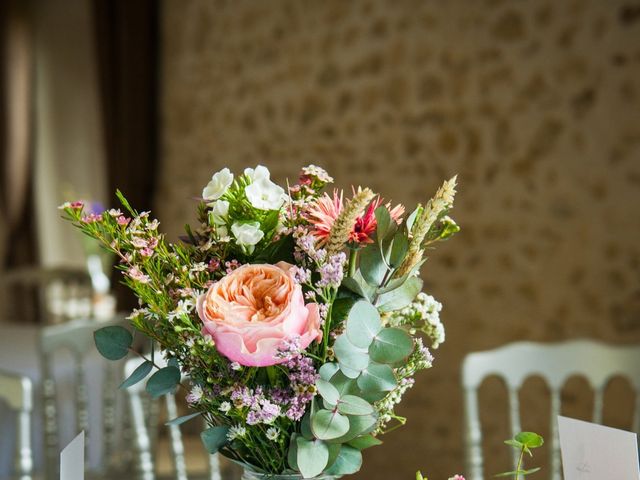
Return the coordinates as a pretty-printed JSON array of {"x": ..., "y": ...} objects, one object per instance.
[{"x": 296, "y": 315}]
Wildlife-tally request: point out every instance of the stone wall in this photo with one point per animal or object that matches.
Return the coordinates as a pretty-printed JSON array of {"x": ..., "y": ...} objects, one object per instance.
[{"x": 536, "y": 105}]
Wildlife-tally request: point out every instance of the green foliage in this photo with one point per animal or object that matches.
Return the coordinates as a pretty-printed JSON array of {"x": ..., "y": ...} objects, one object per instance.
[
  {"x": 348, "y": 462},
  {"x": 523, "y": 442},
  {"x": 163, "y": 381},
  {"x": 138, "y": 374},
  {"x": 391, "y": 345},
  {"x": 183, "y": 419},
  {"x": 214, "y": 438},
  {"x": 113, "y": 342},
  {"x": 312, "y": 456}
]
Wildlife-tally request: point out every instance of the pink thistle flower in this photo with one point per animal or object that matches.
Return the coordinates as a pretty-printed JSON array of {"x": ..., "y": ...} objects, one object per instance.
[{"x": 323, "y": 213}]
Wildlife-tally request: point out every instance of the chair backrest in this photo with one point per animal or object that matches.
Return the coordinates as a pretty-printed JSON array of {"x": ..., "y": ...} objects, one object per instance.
[
  {"x": 144, "y": 429},
  {"x": 17, "y": 393},
  {"x": 60, "y": 294},
  {"x": 76, "y": 337},
  {"x": 555, "y": 363}
]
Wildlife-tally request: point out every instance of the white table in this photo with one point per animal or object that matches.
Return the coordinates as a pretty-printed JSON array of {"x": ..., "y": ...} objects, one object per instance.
[{"x": 19, "y": 354}]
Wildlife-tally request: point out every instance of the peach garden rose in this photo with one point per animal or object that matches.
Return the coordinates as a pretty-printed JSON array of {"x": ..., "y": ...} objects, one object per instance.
[{"x": 251, "y": 311}]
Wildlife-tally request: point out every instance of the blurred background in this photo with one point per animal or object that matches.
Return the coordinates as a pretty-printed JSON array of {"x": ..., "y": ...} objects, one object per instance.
[{"x": 534, "y": 104}]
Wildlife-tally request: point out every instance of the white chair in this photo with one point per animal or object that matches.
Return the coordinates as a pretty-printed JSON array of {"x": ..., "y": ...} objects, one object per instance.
[
  {"x": 76, "y": 336},
  {"x": 555, "y": 363},
  {"x": 17, "y": 393},
  {"x": 144, "y": 434}
]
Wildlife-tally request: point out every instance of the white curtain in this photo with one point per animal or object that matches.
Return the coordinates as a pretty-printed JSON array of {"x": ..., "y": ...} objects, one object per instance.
[{"x": 69, "y": 152}]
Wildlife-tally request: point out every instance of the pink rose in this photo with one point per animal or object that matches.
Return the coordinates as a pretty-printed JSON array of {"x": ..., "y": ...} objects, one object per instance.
[{"x": 253, "y": 309}]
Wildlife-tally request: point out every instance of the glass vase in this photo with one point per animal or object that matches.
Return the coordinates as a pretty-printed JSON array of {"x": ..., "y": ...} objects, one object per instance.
[{"x": 250, "y": 475}]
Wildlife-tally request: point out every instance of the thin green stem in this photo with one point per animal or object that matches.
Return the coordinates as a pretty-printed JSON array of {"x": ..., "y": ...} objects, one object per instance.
[{"x": 519, "y": 463}]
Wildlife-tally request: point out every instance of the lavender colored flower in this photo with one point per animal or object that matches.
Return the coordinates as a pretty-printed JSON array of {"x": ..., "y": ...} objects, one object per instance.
[{"x": 332, "y": 272}]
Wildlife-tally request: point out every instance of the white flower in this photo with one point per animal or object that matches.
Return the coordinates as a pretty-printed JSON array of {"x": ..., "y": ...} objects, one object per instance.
[
  {"x": 224, "y": 407},
  {"x": 185, "y": 307},
  {"x": 235, "y": 432},
  {"x": 195, "y": 395},
  {"x": 263, "y": 194},
  {"x": 219, "y": 212},
  {"x": 235, "y": 366},
  {"x": 272, "y": 433},
  {"x": 218, "y": 185},
  {"x": 247, "y": 234},
  {"x": 258, "y": 173}
]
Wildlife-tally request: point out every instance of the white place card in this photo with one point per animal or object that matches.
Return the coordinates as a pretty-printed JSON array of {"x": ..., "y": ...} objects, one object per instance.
[
  {"x": 595, "y": 452},
  {"x": 72, "y": 459}
]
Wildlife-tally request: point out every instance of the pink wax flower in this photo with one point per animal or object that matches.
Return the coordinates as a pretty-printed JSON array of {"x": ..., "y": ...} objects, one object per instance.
[{"x": 253, "y": 310}]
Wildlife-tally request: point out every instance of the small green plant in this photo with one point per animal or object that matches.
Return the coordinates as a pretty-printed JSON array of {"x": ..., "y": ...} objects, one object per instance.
[{"x": 524, "y": 442}]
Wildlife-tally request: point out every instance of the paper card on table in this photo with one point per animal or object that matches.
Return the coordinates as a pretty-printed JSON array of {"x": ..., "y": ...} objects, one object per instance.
[
  {"x": 72, "y": 459},
  {"x": 591, "y": 451}
]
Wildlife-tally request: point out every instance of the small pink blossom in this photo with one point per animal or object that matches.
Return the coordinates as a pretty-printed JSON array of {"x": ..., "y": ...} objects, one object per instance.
[
  {"x": 139, "y": 242},
  {"x": 77, "y": 205},
  {"x": 146, "y": 252},
  {"x": 91, "y": 218},
  {"x": 122, "y": 220},
  {"x": 137, "y": 275}
]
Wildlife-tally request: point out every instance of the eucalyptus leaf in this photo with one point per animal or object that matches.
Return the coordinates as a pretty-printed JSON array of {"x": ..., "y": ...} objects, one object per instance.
[
  {"x": 163, "y": 381},
  {"x": 305, "y": 426},
  {"x": 363, "y": 324},
  {"x": 401, "y": 296},
  {"x": 327, "y": 424},
  {"x": 348, "y": 462},
  {"x": 390, "y": 346},
  {"x": 183, "y": 419},
  {"x": 138, "y": 374},
  {"x": 364, "y": 442},
  {"x": 113, "y": 342},
  {"x": 358, "y": 425},
  {"x": 214, "y": 437},
  {"x": 328, "y": 391},
  {"x": 292, "y": 454},
  {"x": 328, "y": 370},
  {"x": 312, "y": 456},
  {"x": 344, "y": 384},
  {"x": 334, "y": 451},
  {"x": 398, "y": 249},
  {"x": 349, "y": 372},
  {"x": 383, "y": 222},
  {"x": 372, "y": 265},
  {"x": 354, "y": 405},
  {"x": 358, "y": 285},
  {"x": 377, "y": 378},
  {"x": 349, "y": 355}
]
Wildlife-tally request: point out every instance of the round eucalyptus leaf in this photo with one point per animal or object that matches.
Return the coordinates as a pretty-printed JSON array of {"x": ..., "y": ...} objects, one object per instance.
[
  {"x": 312, "y": 456},
  {"x": 348, "y": 462},
  {"x": 353, "y": 405},
  {"x": 349, "y": 355},
  {"x": 327, "y": 391},
  {"x": 349, "y": 372},
  {"x": 163, "y": 381},
  {"x": 391, "y": 345},
  {"x": 363, "y": 324},
  {"x": 113, "y": 342},
  {"x": 213, "y": 438},
  {"x": 327, "y": 424},
  {"x": 358, "y": 425},
  {"x": 377, "y": 378},
  {"x": 344, "y": 384},
  {"x": 328, "y": 370}
]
